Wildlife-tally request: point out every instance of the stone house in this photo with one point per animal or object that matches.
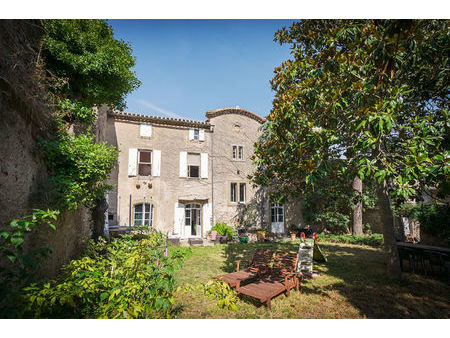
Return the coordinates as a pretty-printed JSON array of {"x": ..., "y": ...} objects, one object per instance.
[{"x": 182, "y": 176}]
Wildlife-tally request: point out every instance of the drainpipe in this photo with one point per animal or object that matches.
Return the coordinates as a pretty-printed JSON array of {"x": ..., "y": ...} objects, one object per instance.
[
  {"x": 129, "y": 212},
  {"x": 212, "y": 175}
]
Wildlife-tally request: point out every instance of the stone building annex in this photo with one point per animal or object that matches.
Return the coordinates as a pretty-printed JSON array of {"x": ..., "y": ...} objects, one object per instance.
[{"x": 183, "y": 176}]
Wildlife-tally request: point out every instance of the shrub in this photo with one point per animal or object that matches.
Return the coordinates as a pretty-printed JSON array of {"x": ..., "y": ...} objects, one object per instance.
[
  {"x": 374, "y": 240},
  {"x": 126, "y": 278},
  {"x": 17, "y": 266},
  {"x": 217, "y": 290},
  {"x": 433, "y": 218},
  {"x": 224, "y": 230},
  {"x": 333, "y": 221},
  {"x": 79, "y": 167}
]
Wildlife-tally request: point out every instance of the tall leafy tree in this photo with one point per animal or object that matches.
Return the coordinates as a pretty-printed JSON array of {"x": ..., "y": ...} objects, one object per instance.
[
  {"x": 369, "y": 96},
  {"x": 93, "y": 67}
]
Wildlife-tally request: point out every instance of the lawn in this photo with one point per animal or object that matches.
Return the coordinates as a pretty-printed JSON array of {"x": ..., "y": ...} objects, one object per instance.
[{"x": 352, "y": 284}]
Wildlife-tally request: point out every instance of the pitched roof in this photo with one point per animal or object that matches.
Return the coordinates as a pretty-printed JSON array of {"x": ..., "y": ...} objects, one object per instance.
[
  {"x": 235, "y": 110},
  {"x": 158, "y": 119}
]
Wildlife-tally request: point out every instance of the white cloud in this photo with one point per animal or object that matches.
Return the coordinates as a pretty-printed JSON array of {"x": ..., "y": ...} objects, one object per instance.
[{"x": 150, "y": 105}]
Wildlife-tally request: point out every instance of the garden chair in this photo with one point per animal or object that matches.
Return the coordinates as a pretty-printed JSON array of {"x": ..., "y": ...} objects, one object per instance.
[
  {"x": 213, "y": 235},
  {"x": 258, "y": 267},
  {"x": 282, "y": 277}
]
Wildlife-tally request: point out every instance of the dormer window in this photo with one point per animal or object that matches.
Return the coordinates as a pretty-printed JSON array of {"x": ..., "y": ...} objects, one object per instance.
[{"x": 196, "y": 134}]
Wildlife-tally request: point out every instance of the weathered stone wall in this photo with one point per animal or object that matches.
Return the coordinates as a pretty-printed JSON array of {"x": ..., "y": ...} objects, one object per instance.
[{"x": 23, "y": 177}]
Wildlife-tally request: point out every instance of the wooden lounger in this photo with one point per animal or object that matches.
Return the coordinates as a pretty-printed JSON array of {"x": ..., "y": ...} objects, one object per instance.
[
  {"x": 259, "y": 266},
  {"x": 282, "y": 277}
]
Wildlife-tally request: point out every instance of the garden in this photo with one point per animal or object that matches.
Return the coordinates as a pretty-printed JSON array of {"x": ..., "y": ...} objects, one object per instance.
[
  {"x": 140, "y": 277},
  {"x": 351, "y": 284}
]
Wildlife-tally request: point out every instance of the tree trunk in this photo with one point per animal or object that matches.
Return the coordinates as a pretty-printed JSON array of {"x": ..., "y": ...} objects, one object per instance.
[
  {"x": 393, "y": 262},
  {"x": 98, "y": 218},
  {"x": 357, "y": 212}
]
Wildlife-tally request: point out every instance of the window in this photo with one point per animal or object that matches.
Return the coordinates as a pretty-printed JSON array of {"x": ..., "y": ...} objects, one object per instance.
[
  {"x": 233, "y": 192},
  {"x": 196, "y": 134},
  {"x": 277, "y": 213},
  {"x": 237, "y": 195},
  {"x": 143, "y": 214},
  {"x": 145, "y": 162},
  {"x": 238, "y": 152},
  {"x": 193, "y": 163},
  {"x": 242, "y": 192}
]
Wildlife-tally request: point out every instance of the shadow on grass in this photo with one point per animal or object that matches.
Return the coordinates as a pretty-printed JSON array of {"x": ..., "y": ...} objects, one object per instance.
[{"x": 358, "y": 274}]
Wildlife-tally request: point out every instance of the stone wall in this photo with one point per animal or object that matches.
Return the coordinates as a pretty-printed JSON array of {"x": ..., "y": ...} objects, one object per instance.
[{"x": 23, "y": 177}]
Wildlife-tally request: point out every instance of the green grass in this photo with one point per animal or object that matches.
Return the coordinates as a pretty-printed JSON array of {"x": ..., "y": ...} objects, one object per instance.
[
  {"x": 352, "y": 284},
  {"x": 374, "y": 240}
]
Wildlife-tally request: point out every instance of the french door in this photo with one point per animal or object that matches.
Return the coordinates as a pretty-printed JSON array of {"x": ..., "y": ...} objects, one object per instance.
[
  {"x": 193, "y": 225},
  {"x": 277, "y": 217}
]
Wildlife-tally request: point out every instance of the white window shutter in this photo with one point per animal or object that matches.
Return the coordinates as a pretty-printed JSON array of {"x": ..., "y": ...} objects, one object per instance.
[
  {"x": 201, "y": 135},
  {"x": 204, "y": 165},
  {"x": 183, "y": 164},
  {"x": 156, "y": 165},
  {"x": 191, "y": 134},
  {"x": 207, "y": 217},
  {"x": 146, "y": 130},
  {"x": 132, "y": 161},
  {"x": 178, "y": 220}
]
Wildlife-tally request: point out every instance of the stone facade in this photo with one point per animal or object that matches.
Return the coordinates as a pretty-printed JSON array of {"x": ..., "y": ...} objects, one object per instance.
[{"x": 183, "y": 206}]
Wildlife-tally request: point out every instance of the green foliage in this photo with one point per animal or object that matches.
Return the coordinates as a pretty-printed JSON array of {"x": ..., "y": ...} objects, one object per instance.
[
  {"x": 375, "y": 240},
  {"x": 126, "y": 278},
  {"x": 363, "y": 95},
  {"x": 76, "y": 111},
  {"x": 95, "y": 66},
  {"x": 332, "y": 221},
  {"x": 217, "y": 290},
  {"x": 224, "y": 230},
  {"x": 434, "y": 218},
  {"x": 78, "y": 166},
  {"x": 19, "y": 267}
]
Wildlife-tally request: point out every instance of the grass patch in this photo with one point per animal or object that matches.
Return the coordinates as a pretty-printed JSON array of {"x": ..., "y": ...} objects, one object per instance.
[
  {"x": 352, "y": 284},
  {"x": 375, "y": 240}
]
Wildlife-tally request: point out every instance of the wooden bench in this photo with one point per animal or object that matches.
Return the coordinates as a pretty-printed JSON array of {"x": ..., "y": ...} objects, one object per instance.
[
  {"x": 282, "y": 277},
  {"x": 259, "y": 266}
]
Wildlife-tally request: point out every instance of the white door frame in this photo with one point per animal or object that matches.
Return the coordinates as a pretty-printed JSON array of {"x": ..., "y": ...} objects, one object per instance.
[
  {"x": 277, "y": 222},
  {"x": 188, "y": 228}
]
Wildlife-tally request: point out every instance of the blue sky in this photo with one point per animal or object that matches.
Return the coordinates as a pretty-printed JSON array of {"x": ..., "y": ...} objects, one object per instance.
[{"x": 190, "y": 66}]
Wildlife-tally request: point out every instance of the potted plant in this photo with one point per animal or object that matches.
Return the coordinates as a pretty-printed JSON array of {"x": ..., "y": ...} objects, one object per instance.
[
  {"x": 261, "y": 236},
  {"x": 293, "y": 232}
]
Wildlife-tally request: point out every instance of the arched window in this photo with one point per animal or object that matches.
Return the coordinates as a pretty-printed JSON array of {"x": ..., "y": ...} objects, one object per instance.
[{"x": 143, "y": 214}]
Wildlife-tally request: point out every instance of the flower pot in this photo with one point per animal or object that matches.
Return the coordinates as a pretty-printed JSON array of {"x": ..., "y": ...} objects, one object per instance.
[{"x": 261, "y": 237}]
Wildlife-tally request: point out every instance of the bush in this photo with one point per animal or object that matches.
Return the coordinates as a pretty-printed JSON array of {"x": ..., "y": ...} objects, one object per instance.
[
  {"x": 18, "y": 266},
  {"x": 374, "y": 240},
  {"x": 333, "y": 221},
  {"x": 79, "y": 167},
  {"x": 126, "y": 278},
  {"x": 224, "y": 230},
  {"x": 433, "y": 218}
]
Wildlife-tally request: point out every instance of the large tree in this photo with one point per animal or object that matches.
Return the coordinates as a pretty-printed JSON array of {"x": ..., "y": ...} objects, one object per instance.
[
  {"x": 91, "y": 65},
  {"x": 360, "y": 95}
]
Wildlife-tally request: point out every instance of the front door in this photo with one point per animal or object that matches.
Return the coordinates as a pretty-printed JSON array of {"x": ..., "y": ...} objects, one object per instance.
[
  {"x": 277, "y": 217},
  {"x": 193, "y": 225}
]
